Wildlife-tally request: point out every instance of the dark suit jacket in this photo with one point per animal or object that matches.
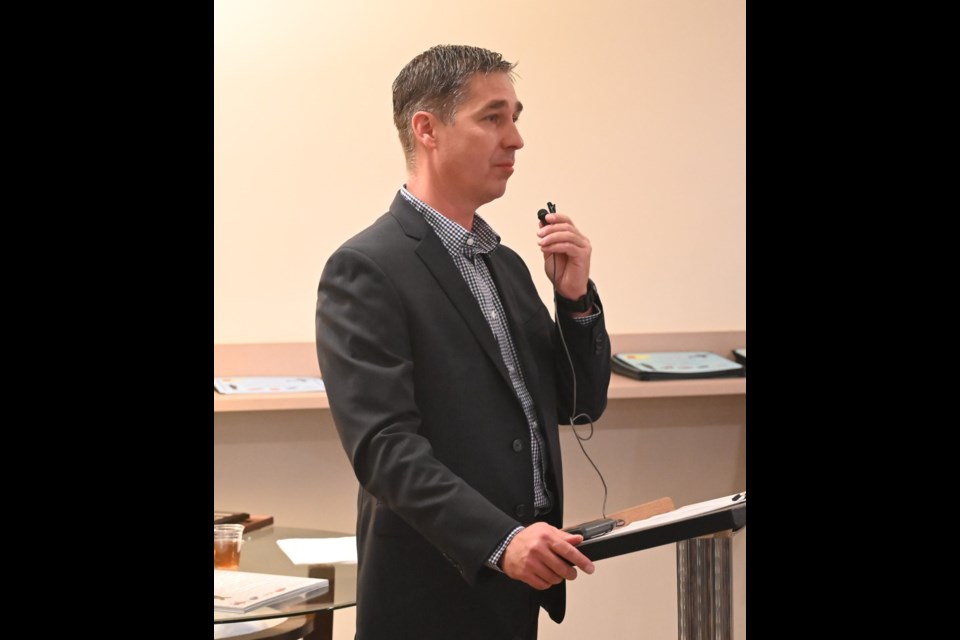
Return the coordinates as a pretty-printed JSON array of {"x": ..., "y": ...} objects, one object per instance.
[{"x": 437, "y": 438}]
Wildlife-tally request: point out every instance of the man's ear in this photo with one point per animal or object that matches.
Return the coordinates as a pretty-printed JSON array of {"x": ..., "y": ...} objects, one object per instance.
[{"x": 424, "y": 129}]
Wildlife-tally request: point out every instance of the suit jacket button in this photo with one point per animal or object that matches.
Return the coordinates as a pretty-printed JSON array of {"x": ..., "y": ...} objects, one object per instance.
[
  {"x": 599, "y": 342},
  {"x": 521, "y": 510},
  {"x": 518, "y": 445}
]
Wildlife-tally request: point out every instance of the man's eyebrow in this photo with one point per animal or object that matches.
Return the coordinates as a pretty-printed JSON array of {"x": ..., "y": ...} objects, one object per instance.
[{"x": 495, "y": 105}]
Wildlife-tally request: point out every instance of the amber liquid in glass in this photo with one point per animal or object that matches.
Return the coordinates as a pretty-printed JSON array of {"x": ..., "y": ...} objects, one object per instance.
[{"x": 226, "y": 554}]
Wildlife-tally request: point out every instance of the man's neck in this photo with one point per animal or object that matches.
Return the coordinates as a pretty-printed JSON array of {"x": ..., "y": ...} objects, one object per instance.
[{"x": 451, "y": 207}]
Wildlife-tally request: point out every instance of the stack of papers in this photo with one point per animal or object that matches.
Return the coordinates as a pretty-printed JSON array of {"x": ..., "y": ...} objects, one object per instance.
[
  {"x": 268, "y": 384},
  {"x": 241, "y": 591}
]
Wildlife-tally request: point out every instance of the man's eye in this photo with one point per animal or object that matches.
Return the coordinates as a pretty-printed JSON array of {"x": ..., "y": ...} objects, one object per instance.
[{"x": 494, "y": 117}]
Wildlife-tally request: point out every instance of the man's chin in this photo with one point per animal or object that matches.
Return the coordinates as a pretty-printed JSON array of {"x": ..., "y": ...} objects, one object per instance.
[
  {"x": 492, "y": 195},
  {"x": 498, "y": 191}
]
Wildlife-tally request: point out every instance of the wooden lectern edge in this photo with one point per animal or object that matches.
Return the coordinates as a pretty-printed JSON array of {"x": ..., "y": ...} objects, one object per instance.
[{"x": 644, "y": 511}]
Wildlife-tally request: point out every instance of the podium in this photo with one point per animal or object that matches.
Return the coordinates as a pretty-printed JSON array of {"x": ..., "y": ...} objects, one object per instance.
[{"x": 704, "y": 537}]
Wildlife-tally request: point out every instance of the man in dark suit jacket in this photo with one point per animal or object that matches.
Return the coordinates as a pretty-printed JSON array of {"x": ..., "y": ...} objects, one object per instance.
[{"x": 447, "y": 377}]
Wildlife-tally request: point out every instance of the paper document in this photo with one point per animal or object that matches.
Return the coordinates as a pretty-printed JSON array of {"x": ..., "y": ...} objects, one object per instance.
[
  {"x": 683, "y": 513},
  {"x": 320, "y": 550}
]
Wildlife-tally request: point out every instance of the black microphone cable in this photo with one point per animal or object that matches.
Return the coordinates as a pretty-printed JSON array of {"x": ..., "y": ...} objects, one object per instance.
[{"x": 573, "y": 374}]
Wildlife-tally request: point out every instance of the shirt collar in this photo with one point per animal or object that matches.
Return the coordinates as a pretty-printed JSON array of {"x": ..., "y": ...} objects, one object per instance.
[{"x": 483, "y": 239}]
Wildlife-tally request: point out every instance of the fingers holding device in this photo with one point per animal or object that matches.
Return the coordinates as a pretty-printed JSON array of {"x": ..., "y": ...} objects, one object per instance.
[{"x": 542, "y": 214}]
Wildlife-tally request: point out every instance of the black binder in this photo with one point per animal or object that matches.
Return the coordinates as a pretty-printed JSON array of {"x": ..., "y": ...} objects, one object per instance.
[{"x": 675, "y": 365}]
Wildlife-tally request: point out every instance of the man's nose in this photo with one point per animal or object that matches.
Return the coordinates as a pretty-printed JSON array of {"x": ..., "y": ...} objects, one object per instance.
[{"x": 513, "y": 140}]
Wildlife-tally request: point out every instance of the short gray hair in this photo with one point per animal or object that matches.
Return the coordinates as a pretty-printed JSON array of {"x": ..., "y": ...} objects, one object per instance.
[{"x": 436, "y": 81}]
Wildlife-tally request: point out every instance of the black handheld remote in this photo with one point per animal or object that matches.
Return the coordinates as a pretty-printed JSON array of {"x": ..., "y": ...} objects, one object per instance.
[{"x": 593, "y": 528}]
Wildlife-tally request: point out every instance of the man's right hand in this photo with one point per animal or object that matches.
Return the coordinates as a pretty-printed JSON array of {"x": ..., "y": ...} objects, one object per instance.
[{"x": 541, "y": 556}]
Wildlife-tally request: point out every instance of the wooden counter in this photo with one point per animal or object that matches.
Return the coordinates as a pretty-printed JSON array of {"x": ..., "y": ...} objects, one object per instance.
[{"x": 300, "y": 359}]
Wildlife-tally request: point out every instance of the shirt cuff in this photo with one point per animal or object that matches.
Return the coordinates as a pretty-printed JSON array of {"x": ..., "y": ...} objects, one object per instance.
[
  {"x": 588, "y": 321},
  {"x": 494, "y": 561}
]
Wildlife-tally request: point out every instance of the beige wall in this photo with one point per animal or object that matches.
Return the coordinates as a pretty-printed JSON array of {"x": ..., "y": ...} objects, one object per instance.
[{"x": 634, "y": 122}]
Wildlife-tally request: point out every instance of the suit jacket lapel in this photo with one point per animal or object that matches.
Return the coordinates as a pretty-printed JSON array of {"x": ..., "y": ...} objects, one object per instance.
[{"x": 434, "y": 255}]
